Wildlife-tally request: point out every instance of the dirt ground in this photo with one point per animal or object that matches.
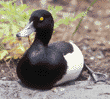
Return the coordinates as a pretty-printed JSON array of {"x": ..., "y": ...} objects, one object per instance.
[{"x": 92, "y": 36}]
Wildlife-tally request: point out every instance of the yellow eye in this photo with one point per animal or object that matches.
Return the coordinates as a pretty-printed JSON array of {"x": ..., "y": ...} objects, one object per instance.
[{"x": 41, "y": 18}]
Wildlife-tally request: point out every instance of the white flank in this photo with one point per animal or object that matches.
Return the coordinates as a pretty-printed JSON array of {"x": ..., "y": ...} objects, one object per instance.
[{"x": 75, "y": 62}]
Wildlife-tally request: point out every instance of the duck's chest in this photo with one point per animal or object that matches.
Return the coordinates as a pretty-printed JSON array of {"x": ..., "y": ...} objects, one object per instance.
[{"x": 46, "y": 56}]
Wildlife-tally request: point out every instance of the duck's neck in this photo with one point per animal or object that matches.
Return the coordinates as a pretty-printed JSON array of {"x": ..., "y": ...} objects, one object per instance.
[{"x": 43, "y": 35}]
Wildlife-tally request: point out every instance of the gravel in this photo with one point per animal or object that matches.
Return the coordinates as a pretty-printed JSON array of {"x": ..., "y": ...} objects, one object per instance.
[{"x": 75, "y": 90}]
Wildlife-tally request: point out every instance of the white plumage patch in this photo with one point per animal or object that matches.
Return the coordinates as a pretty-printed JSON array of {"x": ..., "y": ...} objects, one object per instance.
[{"x": 75, "y": 63}]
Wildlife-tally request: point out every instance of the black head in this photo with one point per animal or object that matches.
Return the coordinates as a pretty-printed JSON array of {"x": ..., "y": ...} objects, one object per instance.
[{"x": 41, "y": 22}]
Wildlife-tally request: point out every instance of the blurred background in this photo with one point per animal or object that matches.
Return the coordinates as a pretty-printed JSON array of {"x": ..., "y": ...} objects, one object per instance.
[{"x": 92, "y": 36}]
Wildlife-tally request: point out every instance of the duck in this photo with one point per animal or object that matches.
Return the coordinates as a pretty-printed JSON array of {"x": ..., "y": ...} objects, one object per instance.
[{"x": 45, "y": 65}]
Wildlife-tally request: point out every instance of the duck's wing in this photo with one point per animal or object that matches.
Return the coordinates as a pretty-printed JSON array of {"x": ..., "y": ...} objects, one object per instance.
[
  {"x": 62, "y": 46},
  {"x": 74, "y": 58}
]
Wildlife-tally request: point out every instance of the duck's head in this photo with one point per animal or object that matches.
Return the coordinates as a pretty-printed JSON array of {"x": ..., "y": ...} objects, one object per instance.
[{"x": 41, "y": 22}]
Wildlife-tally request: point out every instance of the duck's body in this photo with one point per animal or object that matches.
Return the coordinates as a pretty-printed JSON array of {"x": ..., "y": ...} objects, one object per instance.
[{"x": 43, "y": 65}]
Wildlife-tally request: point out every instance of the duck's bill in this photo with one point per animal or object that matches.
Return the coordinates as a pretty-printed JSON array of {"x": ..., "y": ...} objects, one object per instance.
[{"x": 27, "y": 30}]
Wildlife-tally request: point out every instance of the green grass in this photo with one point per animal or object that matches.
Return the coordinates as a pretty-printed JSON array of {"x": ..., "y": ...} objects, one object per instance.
[{"x": 14, "y": 18}]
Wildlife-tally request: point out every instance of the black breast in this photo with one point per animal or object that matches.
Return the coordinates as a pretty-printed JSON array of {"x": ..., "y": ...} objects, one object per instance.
[{"x": 48, "y": 68}]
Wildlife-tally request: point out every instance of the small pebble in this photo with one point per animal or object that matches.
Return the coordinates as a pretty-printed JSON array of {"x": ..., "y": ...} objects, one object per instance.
[
  {"x": 89, "y": 50},
  {"x": 3, "y": 78},
  {"x": 16, "y": 95},
  {"x": 107, "y": 26},
  {"x": 97, "y": 23},
  {"x": 54, "y": 90},
  {"x": 88, "y": 87},
  {"x": 92, "y": 57},
  {"x": 86, "y": 27},
  {"x": 62, "y": 89},
  {"x": 100, "y": 55}
]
